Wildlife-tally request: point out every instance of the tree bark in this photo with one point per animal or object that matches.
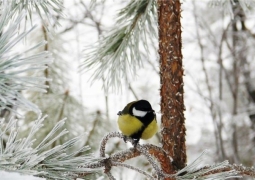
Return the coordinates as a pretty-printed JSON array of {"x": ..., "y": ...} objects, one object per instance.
[{"x": 171, "y": 79}]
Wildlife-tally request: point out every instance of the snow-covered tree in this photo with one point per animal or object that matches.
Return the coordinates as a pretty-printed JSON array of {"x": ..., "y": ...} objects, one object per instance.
[
  {"x": 22, "y": 65},
  {"x": 37, "y": 54}
]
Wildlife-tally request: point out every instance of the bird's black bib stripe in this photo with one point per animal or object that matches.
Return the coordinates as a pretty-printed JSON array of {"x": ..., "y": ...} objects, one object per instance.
[{"x": 146, "y": 120}]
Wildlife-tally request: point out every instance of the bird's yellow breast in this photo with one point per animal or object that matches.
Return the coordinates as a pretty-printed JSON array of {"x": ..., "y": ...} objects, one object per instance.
[
  {"x": 150, "y": 130},
  {"x": 129, "y": 125}
]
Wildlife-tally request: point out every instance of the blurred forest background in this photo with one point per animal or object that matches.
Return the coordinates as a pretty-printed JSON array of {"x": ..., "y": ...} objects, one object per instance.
[{"x": 218, "y": 57}]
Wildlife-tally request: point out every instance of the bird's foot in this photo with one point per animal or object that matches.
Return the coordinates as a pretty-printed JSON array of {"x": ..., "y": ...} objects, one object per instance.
[
  {"x": 125, "y": 138},
  {"x": 135, "y": 142}
]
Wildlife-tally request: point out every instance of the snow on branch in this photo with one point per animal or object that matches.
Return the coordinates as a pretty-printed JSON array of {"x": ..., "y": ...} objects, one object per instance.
[
  {"x": 59, "y": 162},
  {"x": 118, "y": 55},
  {"x": 13, "y": 175},
  {"x": 15, "y": 66},
  {"x": 48, "y": 10},
  {"x": 219, "y": 171}
]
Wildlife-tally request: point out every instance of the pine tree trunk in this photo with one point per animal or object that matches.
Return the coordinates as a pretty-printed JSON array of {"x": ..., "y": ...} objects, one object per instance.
[{"x": 171, "y": 78}]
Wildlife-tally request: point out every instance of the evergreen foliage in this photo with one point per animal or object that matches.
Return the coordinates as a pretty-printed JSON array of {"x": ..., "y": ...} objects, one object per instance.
[
  {"x": 22, "y": 71},
  {"x": 52, "y": 151},
  {"x": 15, "y": 65},
  {"x": 19, "y": 155},
  {"x": 118, "y": 54}
]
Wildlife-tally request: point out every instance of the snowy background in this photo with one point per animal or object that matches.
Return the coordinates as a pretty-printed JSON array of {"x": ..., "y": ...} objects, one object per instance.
[{"x": 210, "y": 119}]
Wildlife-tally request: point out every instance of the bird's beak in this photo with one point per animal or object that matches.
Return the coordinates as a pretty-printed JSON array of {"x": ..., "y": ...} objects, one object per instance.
[{"x": 119, "y": 113}]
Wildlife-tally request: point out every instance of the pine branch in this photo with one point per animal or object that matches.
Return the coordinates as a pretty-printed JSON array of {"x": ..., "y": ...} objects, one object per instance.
[
  {"x": 48, "y": 11},
  {"x": 219, "y": 171},
  {"x": 118, "y": 54},
  {"x": 19, "y": 155},
  {"x": 14, "y": 66}
]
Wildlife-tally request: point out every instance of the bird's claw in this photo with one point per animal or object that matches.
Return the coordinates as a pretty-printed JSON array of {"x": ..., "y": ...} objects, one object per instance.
[
  {"x": 135, "y": 142},
  {"x": 125, "y": 138}
]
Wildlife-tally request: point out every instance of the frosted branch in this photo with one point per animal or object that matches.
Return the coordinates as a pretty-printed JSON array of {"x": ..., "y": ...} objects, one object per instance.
[
  {"x": 15, "y": 66},
  {"x": 118, "y": 54},
  {"x": 217, "y": 171},
  {"x": 19, "y": 155},
  {"x": 133, "y": 168}
]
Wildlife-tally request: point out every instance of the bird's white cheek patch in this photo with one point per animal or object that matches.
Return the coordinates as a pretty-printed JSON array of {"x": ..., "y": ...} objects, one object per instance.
[{"x": 138, "y": 113}]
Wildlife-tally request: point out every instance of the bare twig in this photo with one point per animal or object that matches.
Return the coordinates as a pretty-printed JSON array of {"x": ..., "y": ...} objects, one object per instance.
[
  {"x": 133, "y": 168},
  {"x": 207, "y": 81}
]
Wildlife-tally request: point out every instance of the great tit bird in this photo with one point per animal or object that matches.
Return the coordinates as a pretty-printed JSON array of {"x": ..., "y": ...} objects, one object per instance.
[{"x": 138, "y": 121}]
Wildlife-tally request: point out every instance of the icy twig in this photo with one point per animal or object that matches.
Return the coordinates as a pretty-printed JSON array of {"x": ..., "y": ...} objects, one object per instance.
[
  {"x": 141, "y": 149},
  {"x": 19, "y": 155},
  {"x": 153, "y": 154},
  {"x": 133, "y": 168}
]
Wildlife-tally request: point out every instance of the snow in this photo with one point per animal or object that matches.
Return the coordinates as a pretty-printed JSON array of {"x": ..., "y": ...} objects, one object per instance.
[{"x": 13, "y": 175}]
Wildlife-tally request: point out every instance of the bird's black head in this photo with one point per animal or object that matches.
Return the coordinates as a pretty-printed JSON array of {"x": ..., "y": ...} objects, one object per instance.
[
  {"x": 142, "y": 105},
  {"x": 140, "y": 108}
]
